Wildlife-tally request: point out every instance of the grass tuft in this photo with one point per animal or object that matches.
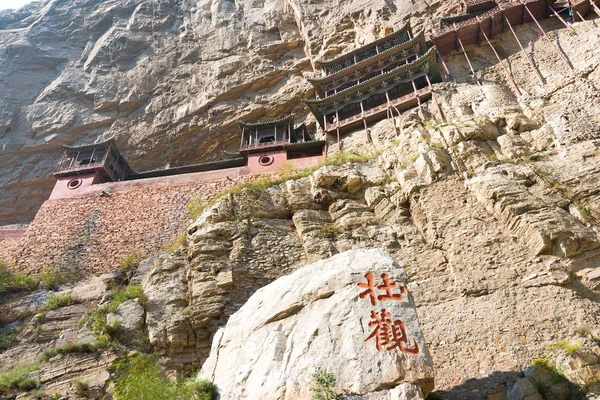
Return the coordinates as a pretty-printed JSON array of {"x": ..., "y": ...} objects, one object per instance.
[
  {"x": 196, "y": 207},
  {"x": 566, "y": 347},
  {"x": 140, "y": 377},
  {"x": 70, "y": 348},
  {"x": 131, "y": 262},
  {"x": 59, "y": 300},
  {"x": 544, "y": 364},
  {"x": 11, "y": 282},
  {"x": 8, "y": 340},
  {"x": 18, "y": 378}
]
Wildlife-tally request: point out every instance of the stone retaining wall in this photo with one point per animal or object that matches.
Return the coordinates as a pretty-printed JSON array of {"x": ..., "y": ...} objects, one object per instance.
[{"x": 99, "y": 230}]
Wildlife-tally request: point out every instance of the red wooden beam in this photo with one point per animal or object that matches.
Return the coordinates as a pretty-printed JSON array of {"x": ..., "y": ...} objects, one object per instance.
[
  {"x": 466, "y": 56},
  {"x": 433, "y": 98},
  {"x": 547, "y": 38},
  {"x": 596, "y": 9},
  {"x": 517, "y": 91},
  {"x": 524, "y": 52}
]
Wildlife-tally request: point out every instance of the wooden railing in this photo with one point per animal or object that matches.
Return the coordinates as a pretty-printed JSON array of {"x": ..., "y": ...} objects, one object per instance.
[
  {"x": 487, "y": 14},
  {"x": 265, "y": 144}
]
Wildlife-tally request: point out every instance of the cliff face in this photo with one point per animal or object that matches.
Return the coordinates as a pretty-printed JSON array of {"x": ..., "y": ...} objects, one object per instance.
[{"x": 168, "y": 78}]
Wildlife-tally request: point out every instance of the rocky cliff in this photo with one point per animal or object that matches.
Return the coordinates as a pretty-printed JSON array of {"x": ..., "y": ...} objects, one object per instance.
[
  {"x": 489, "y": 203},
  {"x": 169, "y": 79}
]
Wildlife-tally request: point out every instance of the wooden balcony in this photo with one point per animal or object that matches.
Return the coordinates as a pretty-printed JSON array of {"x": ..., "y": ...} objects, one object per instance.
[
  {"x": 254, "y": 147},
  {"x": 380, "y": 112}
]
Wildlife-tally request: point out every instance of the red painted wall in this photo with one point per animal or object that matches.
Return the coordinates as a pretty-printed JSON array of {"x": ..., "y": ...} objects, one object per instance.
[{"x": 280, "y": 160}]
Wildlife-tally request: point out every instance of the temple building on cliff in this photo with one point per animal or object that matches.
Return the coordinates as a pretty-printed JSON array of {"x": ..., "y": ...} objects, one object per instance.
[
  {"x": 265, "y": 147},
  {"x": 268, "y": 146},
  {"x": 373, "y": 82}
]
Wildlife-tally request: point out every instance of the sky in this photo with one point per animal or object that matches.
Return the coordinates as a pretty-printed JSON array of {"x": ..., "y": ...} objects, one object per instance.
[{"x": 4, "y": 4}]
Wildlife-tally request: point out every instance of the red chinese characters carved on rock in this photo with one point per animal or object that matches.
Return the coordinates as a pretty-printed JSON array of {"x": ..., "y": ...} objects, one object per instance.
[
  {"x": 387, "y": 286},
  {"x": 390, "y": 333}
]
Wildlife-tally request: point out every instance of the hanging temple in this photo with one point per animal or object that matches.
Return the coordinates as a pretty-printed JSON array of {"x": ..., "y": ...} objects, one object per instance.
[{"x": 376, "y": 81}]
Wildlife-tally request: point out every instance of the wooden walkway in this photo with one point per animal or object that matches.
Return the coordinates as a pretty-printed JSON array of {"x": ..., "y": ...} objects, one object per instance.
[{"x": 380, "y": 112}]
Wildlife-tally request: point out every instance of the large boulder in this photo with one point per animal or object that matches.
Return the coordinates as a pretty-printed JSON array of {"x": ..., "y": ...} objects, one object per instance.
[{"x": 320, "y": 318}]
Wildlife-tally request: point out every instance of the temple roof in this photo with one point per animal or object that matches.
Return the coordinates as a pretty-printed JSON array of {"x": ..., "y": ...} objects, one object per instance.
[
  {"x": 281, "y": 121},
  {"x": 347, "y": 96},
  {"x": 90, "y": 146},
  {"x": 402, "y": 31},
  {"x": 418, "y": 41}
]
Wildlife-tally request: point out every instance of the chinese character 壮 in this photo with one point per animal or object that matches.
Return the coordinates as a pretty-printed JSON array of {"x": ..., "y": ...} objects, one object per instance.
[{"x": 387, "y": 286}]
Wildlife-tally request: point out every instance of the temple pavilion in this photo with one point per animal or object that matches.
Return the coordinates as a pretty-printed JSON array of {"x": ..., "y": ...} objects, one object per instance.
[
  {"x": 268, "y": 146},
  {"x": 98, "y": 162},
  {"x": 372, "y": 82}
]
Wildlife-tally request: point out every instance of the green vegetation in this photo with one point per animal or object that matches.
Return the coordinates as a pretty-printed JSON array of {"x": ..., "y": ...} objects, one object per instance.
[
  {"x": 8, "y": 340},
  {"x": 11, "y": 282},
  {"x": 52, "y": 278},
  {"x": 544, "y": 365},
  {"x": 323, "y": 383},
  {"x": 18, "y": 378},
  {"x": 181, "y": 240},
  {"x": 583, "y": 331},
  {"x": 139, "y": 377},
  {"x": 130, "y": 262},
  {"x": 196, "y": 207},
  {"x": 70, "y": 348},
  {"x": 567, "y": 347},
  {"x": 287, "y": 173},
  {"x": 82, "y": 388},
  {"x": 97, "y": 318},
  {"x": 329, "y": 231},
  {"x": 59, "y": 300}
]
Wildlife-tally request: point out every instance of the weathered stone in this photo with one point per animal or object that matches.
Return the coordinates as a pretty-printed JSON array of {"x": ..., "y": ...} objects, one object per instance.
[
  {"x": 129, "y": 316},
  {"x": 524, "y": 389},
  {"x": 311, "y": 318}
]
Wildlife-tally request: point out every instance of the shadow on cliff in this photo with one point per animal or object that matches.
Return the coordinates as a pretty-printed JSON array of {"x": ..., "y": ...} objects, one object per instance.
[
  {"x": 478, "y": 389},
  {"x": 492, "y": 387}
]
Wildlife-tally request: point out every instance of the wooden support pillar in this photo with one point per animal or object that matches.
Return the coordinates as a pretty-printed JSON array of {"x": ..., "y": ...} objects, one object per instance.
[
  {"x": 517, "y": 91},
  {"x": 547, "y": 38},
  {"x": 595, "y": 7},
  {"x": 561, "y": 19},
  {"x": 377, "y": 49},
  {"x": 448, "y": 76},
  {"x": 467, "y": 57},
  {"x": 389, "y": 109},
  {"x": 417, "y": 95},
  {"x": 337, "y": 129},
  {"x": 437, "y": 106},
  {"x": 362, "y": 111},
  {"x": 275, "y": 132},
  {"x": 528, "y": 57},
  {"x": 583, "y": 19},
  {"x": 242, "y": 140}
]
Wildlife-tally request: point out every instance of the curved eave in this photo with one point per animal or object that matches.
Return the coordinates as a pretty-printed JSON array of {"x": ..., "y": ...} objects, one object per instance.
[
  {"x": 279, "y": 121},
  {"x": 89, "y": 146},
  {"x": 323, "y": 63}
]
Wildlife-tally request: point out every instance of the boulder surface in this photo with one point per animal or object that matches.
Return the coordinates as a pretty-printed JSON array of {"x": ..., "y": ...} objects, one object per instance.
[{"x": 319, "y": 317}]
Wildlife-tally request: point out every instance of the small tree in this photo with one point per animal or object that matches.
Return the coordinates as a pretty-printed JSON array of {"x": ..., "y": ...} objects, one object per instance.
[{"x": 323, "y": 383}]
